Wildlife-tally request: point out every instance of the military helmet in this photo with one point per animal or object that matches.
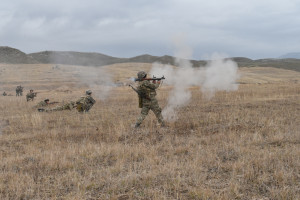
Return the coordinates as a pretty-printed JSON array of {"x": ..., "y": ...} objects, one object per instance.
[
  {"x": 46, "y": 100},
  {"x": 141, "y": 74},
  {"x": 88, "y": 92}
]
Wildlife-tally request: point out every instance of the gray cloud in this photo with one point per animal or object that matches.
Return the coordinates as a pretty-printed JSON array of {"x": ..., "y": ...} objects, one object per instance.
[{"x": 125, "y": 28}]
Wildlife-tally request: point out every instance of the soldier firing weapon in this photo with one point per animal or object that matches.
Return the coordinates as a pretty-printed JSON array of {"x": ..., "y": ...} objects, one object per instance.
[
  {"x": 139, "y": 93},
  {"x": 146, "y": 91},
  {"x": 150, "y": 79},
  {"x": 31, "y": 95}
]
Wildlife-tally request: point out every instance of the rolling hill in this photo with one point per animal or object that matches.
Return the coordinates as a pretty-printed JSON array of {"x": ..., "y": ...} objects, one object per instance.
[
  {"x": 291, "y": 55},
  {"x": 15, "y": 56}
]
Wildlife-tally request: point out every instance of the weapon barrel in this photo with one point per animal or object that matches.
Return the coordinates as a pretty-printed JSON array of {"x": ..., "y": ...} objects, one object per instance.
[{"x": 150, "y": 79}]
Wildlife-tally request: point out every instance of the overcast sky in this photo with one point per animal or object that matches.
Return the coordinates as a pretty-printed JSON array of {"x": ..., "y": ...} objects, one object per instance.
[{"x": 127, "y": 28}]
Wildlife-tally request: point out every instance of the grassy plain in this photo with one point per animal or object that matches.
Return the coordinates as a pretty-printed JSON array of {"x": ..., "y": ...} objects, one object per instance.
[{"x": 237, "y": 145}]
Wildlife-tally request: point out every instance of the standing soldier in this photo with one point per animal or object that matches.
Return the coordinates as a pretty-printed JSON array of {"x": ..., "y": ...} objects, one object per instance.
[
  {"x": 19, "y": 90},
  {"x": 148, "y": 99},
  {"x": 30, "y": 95}
]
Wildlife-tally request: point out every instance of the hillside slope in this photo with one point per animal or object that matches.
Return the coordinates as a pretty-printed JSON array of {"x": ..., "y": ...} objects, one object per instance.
[
  {"x": 75, "y": 58},
  {"x": 15, "y": 56},
  {"x": 291, "y": 55}
]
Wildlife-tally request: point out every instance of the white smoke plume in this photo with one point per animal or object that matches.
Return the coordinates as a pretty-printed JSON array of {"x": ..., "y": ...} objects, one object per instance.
[
  {"x": 218, "y": 75},
  {"x": 96, "y": 79}
]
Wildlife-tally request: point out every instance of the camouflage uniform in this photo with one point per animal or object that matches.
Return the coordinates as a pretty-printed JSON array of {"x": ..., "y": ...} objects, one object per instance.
[
  {"x": 149, "y": 101},
  {"x": 19, "y": 90},
  {"x": 42, "y": 103},
  {"x": 30, "y": 95},
  {"x": 67, "y": 106},
  {"x": 85, "y": 103}
]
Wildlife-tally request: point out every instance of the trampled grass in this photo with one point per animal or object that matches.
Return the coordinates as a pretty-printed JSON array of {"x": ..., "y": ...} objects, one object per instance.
[{"x": 237, "y": 145}]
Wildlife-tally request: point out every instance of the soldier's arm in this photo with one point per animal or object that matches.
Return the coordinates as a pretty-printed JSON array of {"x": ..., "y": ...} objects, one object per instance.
[
  {"x": 92, "y": 100},
  {"x": 151, "y": 85}
]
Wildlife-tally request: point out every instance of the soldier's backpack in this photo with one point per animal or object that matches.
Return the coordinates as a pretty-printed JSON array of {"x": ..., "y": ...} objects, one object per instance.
[{"x": 81, "y": 104}]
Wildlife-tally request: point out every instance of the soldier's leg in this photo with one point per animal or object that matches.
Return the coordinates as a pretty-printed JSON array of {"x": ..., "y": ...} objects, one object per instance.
[
  {"x": 144, "y": 113},
  {"x": 157, "y": 111},
  {"x": 58, "y": 108}
]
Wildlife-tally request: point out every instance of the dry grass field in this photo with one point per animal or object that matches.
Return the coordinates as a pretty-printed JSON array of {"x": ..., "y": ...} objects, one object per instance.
[{"x": 238, "y": 145}]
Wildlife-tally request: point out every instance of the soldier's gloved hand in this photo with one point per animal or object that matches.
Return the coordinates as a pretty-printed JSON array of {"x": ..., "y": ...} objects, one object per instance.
[{"x": 158, "y": 82}]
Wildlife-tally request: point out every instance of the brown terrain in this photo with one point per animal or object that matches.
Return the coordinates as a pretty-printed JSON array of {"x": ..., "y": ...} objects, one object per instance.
[{"x": 237, "y": 145}]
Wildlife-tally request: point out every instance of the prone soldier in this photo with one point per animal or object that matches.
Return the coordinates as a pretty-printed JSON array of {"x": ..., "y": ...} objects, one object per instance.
[
  {"x": 67, "y": 106},
  {"x": 83, "y": 104},
  {"x": 45, "y": 103}
]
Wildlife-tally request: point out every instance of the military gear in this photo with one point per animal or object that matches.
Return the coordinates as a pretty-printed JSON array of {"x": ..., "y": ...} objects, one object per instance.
[
  {"x": 30, "y": 95},
  {"x": 67, "y": 106},
  {"x": 4, "y": 94},
  {"x": 88, "y": 92},
  {"x": 154, "y": 79},
  {"x": 140, "y": 95},
  {"x": 85, "y": 103},
  {"x": 19, "y": 90},
  {"x": 42, "y": 104},
  {"x": 141, "y": 74},
  {"x": 149, "y": 101},
  {"x": 140, "y": 102}
]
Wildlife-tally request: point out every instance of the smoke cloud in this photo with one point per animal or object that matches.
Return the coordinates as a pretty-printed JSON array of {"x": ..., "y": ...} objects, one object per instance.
[
  {"x": 96, "y": 79},
  {"x": 219, "y": 74}
]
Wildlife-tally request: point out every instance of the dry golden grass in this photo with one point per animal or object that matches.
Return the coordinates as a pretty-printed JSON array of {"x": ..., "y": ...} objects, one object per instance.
[{"x": 238, "y": 145}]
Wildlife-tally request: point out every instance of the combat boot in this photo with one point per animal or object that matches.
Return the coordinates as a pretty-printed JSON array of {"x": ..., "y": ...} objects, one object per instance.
[
  {"x": 41, "y": 109},
  {"x": 162, "y": 124}
]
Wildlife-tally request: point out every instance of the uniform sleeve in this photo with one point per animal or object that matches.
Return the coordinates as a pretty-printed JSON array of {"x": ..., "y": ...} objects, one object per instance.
[
  {"x": 92, "y": 100},
  {"x": 150, "y": 85}
]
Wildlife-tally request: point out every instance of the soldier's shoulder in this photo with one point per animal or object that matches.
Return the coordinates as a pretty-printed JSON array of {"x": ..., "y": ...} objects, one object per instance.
[
  {"x": 89, "y": 97},
  {"x": 145, "y": 82},
  {"x": 80, "y": 98}
]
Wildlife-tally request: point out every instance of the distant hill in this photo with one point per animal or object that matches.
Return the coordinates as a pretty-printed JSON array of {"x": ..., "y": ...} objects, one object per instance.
[
  {"x": 75, "y": 58},
  {"x": 15, "y": 56},
  {"x": 291, "y": 55},
  {"x": 97, "y": 59},
  {"x": 288, "y": 63},
  {"x": 11, "y": 55}
]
